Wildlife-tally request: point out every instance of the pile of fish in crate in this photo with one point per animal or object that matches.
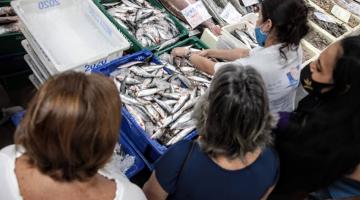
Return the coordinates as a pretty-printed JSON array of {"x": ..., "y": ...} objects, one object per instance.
[
  {"x": 149, "y": 25},
  {"x": 161, "y": 97},
  {"x": 9, "y": 22}
]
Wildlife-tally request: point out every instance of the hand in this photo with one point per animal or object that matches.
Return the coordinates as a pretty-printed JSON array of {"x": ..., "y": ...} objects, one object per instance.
[
  {"x": 179, "y": 51},
  {"x": 205, "y": 53},
  {"x": 215, "y": 29}
]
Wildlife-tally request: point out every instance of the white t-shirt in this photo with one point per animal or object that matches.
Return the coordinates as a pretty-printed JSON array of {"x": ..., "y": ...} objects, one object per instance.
[
  {"x": 281, "y": 76},
  {"x": 9, "y": 187}
]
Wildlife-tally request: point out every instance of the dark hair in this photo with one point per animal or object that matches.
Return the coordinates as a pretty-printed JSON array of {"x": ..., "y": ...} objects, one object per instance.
[
  {"x": 71, "y": 126},
  {"x": 327, "y": 146},
  {"x": 233, "y": 118},
  {"x": 289, "y": 18}
]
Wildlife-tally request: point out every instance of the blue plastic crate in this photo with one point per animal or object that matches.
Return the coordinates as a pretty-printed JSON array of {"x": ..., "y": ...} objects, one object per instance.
[
  {"x": 150, "y": 149},
  {"x": 127, "y": 146},
  {"x": 17, "y": 117}
]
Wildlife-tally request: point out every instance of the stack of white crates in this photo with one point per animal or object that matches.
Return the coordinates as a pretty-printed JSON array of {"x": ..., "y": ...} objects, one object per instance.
[{"x": 66, "y": 35}]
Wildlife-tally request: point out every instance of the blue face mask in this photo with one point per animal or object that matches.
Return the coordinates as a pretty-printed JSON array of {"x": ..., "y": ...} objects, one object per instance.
[{"x": 260, "y": 36}]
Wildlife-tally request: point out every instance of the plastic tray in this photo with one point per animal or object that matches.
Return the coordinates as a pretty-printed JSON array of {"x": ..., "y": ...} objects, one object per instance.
[
  {"x": 150, "y": 149},
  {"x": 70, "y": 34},
  {"x": 226, "y": 32},
  {"x": 196, "y": 42},
  {"x": 34, "y": 69},
  {"x": 10, "y": 42},
  {"x": 35, "y": 61},
  {"x": 34, "y": 81},
  {"x": 312, "y": 3},
  {"x": 322, "y": 32},
  {"x": 135, "y": 45},
  {"x": 349, "y": 30}
]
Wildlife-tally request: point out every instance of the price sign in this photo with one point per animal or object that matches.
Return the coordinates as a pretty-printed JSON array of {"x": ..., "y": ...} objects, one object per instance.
[
  {"x": 250, "y": 2},
  {"x": 230, "y": 14},
  {"x": 341, "y": 13},
  {"x": 354, "y": 7},
  {"x": 195, "y": 14}
]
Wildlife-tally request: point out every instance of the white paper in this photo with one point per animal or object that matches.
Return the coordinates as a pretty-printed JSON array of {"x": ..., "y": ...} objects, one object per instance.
[
  {"x": 321, "y": 16},
  {"x": 230, "y": 14},
  {"x": 354, "y": 7},
  {"x": 250, "y": 2},
  {"x": 195, "y": 14},
  {"x": 341, "y": 13}
]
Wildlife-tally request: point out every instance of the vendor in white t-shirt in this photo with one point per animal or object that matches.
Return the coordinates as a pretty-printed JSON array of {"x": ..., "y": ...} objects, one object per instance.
[{"x": 279, "y": 29}]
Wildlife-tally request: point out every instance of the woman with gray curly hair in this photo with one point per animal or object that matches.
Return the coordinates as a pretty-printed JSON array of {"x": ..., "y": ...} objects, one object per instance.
[{"x": 232, "y": 158}]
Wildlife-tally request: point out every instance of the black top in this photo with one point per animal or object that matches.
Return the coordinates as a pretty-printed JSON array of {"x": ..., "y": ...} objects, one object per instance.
[{"x": 201, "y": 178}]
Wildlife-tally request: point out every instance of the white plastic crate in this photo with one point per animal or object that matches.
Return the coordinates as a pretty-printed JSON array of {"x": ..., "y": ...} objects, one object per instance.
[
  {"x": 69, "y": 34},
  {"x": 209, "y": 38},
  {"x": 35, "y": 70},
  {"x": 34, "y": 81},
  {"x": 35, "y": 59}
]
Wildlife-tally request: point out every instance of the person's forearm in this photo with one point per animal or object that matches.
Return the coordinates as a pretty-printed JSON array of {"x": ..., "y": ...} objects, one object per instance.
[
  {"x": 229, "y": 54},
  {"x": 181, "y": 4},
  {"x": 203, "y": 64}
]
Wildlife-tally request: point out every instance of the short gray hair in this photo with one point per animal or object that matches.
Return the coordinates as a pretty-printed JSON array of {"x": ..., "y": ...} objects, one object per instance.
[{"x": 233, "y": 117}]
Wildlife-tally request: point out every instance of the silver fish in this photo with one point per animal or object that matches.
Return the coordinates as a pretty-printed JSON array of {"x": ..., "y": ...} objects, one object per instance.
[
  {"x": 148, "y": 92},
  {"x": 132, "y": 81},
  {"x": 171, "y": 95},
  {"x": 136, "y": 115},
  {"x": 168, "y": 43},
  {"x": 153, "y": 113},
  {"x": 185, "y": 81},
  {"x": 163, "y": 105},
  {"x": 181, "y": 135},
  {"x": 140, "y": 72},
  {"x": 158, "y": 134},
  {"x": 184, "y": 118},
  {"x": 159, "y": 110},
  {"x": 180, "y": 103},
  {"x": 199, "y": 79}
]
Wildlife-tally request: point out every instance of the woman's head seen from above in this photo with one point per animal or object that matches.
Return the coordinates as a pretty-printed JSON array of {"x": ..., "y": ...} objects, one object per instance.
[
  {"x": 279, "y": 21},
  {"x": 233, "y": 118},
  {"x": 71, "y": 126},
  {"x": 336, "y": 67}
]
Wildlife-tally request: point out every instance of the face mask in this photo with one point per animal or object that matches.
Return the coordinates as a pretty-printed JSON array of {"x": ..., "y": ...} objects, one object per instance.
[
  {"x": 311, "y": 86},
  {"x": 261, "y": 37}
]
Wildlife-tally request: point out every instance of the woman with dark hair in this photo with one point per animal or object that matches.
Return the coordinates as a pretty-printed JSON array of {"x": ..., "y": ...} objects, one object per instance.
[
  {"x": 64, "y": 143},
  {"x": 232, "y": 158},
  {"x": 320, "y": 142},
  {"x": 280, "y": 27}
]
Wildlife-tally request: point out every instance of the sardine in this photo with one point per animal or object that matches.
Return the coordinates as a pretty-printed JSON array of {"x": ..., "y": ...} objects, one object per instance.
[
  {"x": 180, "y": 103},
  {"x": 181, "y": 135},
  {"x": 148, "y": 92},
  {"x": 164, "y": 105},
  {"x": 184, "y": 118}
]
